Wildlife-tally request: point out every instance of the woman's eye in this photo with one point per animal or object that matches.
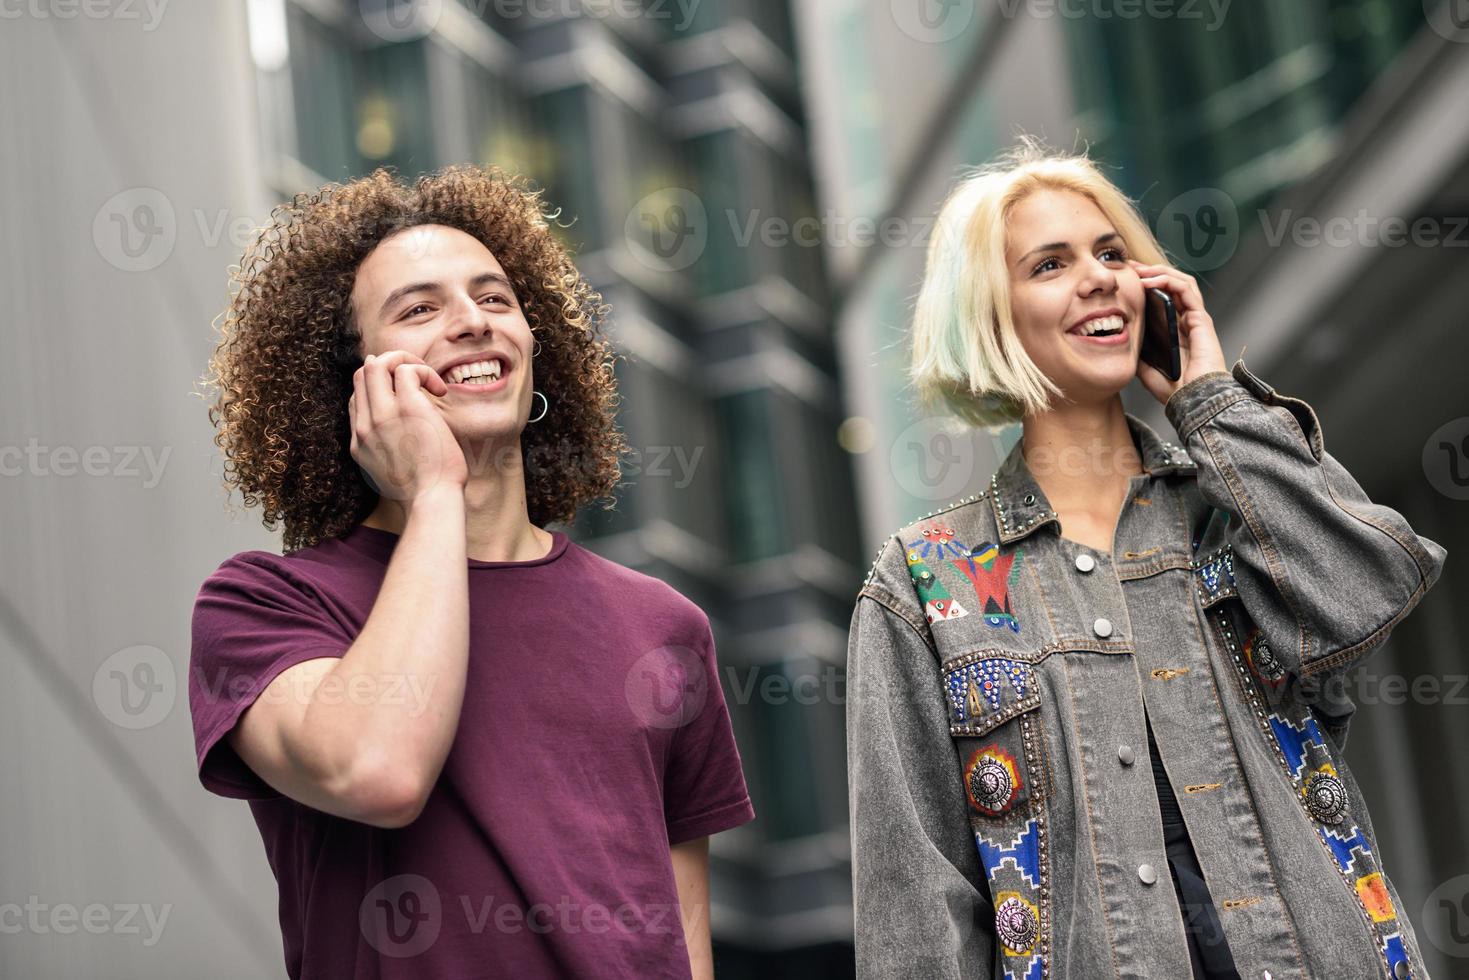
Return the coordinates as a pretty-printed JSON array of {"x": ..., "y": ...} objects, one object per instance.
[
  {"x": 419, "y": 306},
  {"x": 496, "y": 296},
  {"x": 1042, "y": 266},
  {"x": 1121, "y": 255}
]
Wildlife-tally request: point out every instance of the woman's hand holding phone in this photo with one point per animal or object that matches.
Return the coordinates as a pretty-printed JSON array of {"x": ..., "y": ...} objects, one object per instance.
[{"x": 1198, "y": 344}]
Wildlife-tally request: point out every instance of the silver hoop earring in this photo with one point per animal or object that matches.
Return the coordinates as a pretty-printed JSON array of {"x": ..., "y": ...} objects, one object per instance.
[
  {"x": 545, "y": 407},
  {"x": 536, "y": 350}
]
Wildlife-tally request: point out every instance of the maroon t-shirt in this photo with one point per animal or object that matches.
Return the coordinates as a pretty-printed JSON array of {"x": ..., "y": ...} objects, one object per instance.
[{"x": 594, "y": 734}]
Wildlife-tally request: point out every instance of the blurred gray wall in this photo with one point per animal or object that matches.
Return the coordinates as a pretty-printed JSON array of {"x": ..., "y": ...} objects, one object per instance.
[{"x": 128, "y": 176}]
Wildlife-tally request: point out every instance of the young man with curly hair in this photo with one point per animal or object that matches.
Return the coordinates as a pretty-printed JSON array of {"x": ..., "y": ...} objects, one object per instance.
[{"x": 472, "y": 747}]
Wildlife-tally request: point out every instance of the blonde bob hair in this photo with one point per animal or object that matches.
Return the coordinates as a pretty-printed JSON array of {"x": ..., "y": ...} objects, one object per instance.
[{"x": 966, "y": 353}]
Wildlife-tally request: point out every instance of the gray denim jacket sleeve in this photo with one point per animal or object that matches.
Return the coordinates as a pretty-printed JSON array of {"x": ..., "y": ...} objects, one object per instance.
[
  {"x": 1324, "y": 572},
  {"x": 917, "y": 910}
]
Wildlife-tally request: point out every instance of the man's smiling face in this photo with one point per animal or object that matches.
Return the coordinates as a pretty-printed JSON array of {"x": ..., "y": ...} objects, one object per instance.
[{"x": 438, "y": 293}]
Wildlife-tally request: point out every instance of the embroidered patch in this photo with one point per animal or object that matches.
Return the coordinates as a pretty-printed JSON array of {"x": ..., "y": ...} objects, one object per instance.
[
  {"x": 1263, "y": 663},
  {"x": 1325, "y": 796},
  {"x": 992, "y": 575},
  {"x": 938, "y": 604},
  {"x": 1372, "y": 890},
  {"x": 992, "y": 779},
  {"x": 1349, "y": 849},
  {"x": 1295, "y": 740}
]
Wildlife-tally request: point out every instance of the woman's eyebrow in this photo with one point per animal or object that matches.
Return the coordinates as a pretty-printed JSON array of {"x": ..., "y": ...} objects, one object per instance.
[
  {"x": 1063, "y": 246},
  {"x": 418, "y": 287}
]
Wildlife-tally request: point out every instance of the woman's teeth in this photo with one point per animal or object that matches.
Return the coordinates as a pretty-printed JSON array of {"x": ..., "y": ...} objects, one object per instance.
[{"x": 1102, "y": 325}]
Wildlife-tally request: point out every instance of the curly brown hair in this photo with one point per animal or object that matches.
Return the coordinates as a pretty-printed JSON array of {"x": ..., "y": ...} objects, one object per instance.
[{"x": 290, "y": 344}]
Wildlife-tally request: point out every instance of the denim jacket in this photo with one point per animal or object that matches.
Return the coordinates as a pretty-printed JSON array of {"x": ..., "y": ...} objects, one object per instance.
[{"x": 1004, "y": 817}]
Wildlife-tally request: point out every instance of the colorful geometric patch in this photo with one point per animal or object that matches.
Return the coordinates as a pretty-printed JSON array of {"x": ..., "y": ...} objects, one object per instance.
[
  {"x": 992, "y": 575},
  {"x": 938, "y": 604},
  {"x": 1293, "y": 741},
  {"x": 1014, "y": 874},
  {"x": 992, "y": 780},
  {"x": 1348, "y": 849},
  {"x": 1372, "y": 890}
]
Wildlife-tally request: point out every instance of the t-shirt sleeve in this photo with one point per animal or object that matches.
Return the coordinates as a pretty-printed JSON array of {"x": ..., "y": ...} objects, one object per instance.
[
  {"x": 252, "y": 620},
  {"x": 704, "y": 788}
]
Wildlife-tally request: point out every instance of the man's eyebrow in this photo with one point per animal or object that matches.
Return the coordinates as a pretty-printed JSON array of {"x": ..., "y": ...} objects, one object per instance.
[
  {"x": 420, "y": 287},
  {"x": 1059, "y": 246}
]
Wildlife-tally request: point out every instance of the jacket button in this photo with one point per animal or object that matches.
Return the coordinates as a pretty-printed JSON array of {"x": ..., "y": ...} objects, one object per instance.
[
  {"x": 1085, "y": 563},
  {"x": 1400, "y": 969},
  {"x": 1102, "y": 627},
  {"x": 1146, "y": 873},
  {"x": 1125, "y": 755}
]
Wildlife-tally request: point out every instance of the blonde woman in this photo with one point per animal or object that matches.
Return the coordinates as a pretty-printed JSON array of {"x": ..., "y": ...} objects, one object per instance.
[{"x": 1092, "y": 723}]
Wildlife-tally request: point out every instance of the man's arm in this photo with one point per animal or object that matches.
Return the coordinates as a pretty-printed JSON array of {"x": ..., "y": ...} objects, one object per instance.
[
  {"x": 691, "y": 871},
  {"x": 321, "y": 732}
]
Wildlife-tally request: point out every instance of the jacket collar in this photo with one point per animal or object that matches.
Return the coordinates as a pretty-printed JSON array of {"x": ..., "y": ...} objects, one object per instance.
[{"x": 1020, "y": 506}]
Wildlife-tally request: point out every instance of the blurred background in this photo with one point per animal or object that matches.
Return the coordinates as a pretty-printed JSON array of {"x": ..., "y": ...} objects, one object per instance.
[{"x": 750, "y": 183}]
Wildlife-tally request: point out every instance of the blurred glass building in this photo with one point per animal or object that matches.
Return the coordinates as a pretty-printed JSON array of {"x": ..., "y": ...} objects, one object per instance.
[
  {"x": 672, "y": 137},
  {"x": 1309, "y": 162}
]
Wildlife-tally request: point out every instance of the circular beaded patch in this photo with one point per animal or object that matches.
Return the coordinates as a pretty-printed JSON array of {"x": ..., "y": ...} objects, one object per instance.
[
  {"x": 1016, "y": 925},
  {"x": 993, "y": 780},
  {"x": 1326, "y": 797}
]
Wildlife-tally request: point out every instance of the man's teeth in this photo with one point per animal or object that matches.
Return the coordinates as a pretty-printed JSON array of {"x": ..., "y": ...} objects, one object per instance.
[
  {"x": 478, "y": 373},
  {"x": 1105, "y": 323}
]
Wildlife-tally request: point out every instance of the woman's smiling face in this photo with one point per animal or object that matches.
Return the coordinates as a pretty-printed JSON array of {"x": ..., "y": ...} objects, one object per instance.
[{"x": 1067, "y": 263}]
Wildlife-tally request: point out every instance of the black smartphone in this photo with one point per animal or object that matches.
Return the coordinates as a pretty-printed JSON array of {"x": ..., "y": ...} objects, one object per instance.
[{"x": 1160, "y": 334}]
